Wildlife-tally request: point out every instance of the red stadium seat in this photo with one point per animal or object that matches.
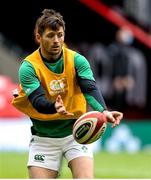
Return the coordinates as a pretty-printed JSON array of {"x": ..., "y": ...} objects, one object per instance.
[{"x": 6, "y": 108}]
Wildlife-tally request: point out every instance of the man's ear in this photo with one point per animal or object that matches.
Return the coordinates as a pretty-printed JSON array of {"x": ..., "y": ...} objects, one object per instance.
[{"x": 37, "y": 38}]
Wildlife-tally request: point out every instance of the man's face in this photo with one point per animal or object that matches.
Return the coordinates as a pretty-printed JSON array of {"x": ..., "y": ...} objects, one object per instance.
[{"x": 51, "y": 42}]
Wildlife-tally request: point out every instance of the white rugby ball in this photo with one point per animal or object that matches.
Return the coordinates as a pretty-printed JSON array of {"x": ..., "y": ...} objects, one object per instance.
[{"x": 89, "y": 127}]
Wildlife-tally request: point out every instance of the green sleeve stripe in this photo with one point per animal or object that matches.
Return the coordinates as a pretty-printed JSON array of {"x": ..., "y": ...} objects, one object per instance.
[{"x": 94, "y": 103}]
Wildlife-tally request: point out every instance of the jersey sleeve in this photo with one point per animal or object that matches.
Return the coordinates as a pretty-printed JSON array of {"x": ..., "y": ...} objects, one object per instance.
[
  {"x": 87, "y": 84},
  {"x": 82, "y": 67},
  {"x": 27, "y": 77}
]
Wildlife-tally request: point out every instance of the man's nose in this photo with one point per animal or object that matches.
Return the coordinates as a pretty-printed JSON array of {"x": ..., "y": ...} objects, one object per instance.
[{"x": 56, "y": 39}]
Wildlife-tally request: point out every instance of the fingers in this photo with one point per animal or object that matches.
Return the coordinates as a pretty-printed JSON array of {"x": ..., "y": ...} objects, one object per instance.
[
  {"x": 60, "y": 108},
  {"x": 118, "y": 116},
  {"x": 116, "y": 123},
  {"x": 59, "y": 99},
  {"x": 59, "y": 102},
  {"x": 62, "y": 111},
  {"x": 109, "y": 116},
  {"x": 68, "y": 113},
  {"x": 113, "y": 117}
]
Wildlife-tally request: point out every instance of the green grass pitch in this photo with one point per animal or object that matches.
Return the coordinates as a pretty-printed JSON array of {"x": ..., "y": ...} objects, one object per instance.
[{"x": 114, "y": 166}]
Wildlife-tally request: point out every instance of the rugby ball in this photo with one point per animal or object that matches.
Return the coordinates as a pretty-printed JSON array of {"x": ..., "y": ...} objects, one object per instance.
[{"x": 89, "y": 127}]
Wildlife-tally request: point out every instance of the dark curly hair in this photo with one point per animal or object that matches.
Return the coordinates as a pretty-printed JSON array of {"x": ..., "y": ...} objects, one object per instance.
[{"x": 49, "y": 18}]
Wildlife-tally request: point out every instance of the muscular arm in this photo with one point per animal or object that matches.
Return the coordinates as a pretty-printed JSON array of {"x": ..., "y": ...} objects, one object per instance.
[
  {"x": 92, "y": 94},
  {"x": 40, "y": 103},
  {"x": 33, "y": 89},
  {"x": 87, "y": 84}
]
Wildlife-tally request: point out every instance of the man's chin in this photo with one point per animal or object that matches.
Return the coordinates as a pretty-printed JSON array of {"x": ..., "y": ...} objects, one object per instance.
[
  {"x": 55, "y": 55},
  {"x": 55, "y": 52}
]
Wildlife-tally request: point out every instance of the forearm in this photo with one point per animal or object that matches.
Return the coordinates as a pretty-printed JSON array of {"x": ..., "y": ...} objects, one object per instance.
[
  {"x": 40, "y": 103},
  {"x": 92, "y": 94},
  {"x": 94, "y": 103}
]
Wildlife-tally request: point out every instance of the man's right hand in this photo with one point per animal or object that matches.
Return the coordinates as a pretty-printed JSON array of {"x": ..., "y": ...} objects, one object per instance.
[{"x": 60, "y": 108}]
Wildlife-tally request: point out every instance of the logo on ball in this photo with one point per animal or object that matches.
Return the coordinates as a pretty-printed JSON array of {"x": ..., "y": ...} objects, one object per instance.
[{"x": 89, "y": 127}]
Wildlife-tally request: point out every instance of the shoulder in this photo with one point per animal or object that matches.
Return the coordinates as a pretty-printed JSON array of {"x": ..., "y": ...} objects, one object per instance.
[
  {"x": 82, "y": 67},
  {"x": 26, "y": 68},
  {"x": 80, "y": 60}
]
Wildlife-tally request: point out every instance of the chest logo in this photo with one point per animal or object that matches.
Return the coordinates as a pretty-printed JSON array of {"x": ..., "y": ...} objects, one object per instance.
[{"x": 58, "y": 86}]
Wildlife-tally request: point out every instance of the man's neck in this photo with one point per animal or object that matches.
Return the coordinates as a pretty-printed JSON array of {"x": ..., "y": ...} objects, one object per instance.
[{"x": 50, "y": 60}]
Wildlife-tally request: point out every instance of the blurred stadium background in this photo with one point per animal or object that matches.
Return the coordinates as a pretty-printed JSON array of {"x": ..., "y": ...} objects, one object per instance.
[{"x": 91, "y": 27}]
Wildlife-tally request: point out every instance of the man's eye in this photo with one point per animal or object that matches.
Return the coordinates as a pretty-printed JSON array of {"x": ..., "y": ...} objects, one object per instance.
[
  {"x": 50, "y": 36},
  {"x": 60, "y": 35}
]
